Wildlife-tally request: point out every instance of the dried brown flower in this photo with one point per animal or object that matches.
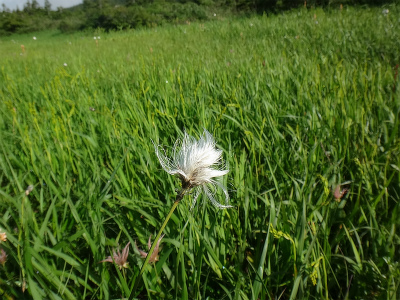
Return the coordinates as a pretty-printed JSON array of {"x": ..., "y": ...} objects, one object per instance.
[
  {"x": 338, "y": 193},
  {"x": 3, "y": 257},
  {"x": 119, "y": 258},
  {"x": 154, "y": 255}
]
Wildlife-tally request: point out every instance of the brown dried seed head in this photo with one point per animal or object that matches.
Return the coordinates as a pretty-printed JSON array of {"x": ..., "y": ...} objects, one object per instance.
[
  {"x": 154, "y": 256},
  {"x": 119, "y": 258},
  {"x": 3, "y": 257}
]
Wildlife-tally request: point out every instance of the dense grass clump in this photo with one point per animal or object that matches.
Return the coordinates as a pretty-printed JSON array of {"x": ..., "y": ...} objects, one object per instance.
[{"x": 300, "y": 102}]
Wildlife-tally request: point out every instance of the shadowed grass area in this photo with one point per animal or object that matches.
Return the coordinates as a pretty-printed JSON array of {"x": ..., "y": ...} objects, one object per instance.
[{"x": 300, "y": 102}]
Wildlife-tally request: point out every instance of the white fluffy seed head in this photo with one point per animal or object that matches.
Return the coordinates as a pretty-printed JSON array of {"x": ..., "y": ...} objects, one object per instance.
[{"x": 196, "y": 162}]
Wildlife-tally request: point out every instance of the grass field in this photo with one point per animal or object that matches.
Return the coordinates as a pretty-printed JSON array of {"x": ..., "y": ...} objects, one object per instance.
[{"x": 299, "y": 102}]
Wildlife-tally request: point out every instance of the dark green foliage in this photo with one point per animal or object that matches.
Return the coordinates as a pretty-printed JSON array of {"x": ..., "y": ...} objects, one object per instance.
[
  {"x": 265, "y": 5},
  {"x": 12, "y": 23},
  {"x": 134, "y": 16},
  {"x": 70, "y": 25},
  {"x": 124, "y": 14}
]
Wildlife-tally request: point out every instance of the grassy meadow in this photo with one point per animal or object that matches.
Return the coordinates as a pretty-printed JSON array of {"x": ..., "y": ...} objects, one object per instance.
[{"x": 299, "y": 102}]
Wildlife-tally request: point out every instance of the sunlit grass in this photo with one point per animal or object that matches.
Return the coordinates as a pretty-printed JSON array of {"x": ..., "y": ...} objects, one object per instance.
[{"x": 299, "y": 102}]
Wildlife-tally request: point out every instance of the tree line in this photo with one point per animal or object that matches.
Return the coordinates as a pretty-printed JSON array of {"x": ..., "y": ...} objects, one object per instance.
[{"x": 125, "y": 14}]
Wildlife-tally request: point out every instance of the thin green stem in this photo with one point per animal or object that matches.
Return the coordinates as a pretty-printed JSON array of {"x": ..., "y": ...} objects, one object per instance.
[
  {"x": 179, "y": 197},
  {"x": 19, "y": 254}
]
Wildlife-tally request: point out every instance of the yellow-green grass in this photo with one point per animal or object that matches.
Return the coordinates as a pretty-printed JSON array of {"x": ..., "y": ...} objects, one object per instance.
[{"x": 299, "y": 102}]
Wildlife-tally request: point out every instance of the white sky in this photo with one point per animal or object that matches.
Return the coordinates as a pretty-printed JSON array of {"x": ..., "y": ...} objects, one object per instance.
[{"x": 12, "y": 4}]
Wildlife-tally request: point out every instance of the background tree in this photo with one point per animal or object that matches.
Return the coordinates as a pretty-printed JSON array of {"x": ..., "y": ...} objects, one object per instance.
[
  {"x": 47, "y": 6},
  {"x": 124, "y": 14}
]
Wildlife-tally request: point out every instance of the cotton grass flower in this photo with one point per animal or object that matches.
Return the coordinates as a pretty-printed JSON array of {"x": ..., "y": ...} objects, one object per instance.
[{"x": 196, "y": 163}]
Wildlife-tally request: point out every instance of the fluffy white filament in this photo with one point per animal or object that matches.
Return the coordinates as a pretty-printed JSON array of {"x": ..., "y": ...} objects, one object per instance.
[{"x": 194, "y": 161}]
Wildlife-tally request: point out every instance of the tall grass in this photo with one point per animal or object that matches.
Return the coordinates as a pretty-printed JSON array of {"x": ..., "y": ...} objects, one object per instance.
[{"x": 300, "y": 102}]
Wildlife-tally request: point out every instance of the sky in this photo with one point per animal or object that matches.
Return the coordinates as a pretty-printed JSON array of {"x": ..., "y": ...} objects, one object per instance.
[{"x": 12, "y": 4}]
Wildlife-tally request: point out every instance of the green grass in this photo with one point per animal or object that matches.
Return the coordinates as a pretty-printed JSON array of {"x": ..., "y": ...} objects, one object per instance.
[{"x": 298, "y": 104}]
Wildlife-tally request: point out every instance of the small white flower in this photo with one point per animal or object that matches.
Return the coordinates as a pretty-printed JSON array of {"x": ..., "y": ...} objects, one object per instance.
[
  {"x": 215, "y": 15},
  {"x": 194, "y": 161},
  {"x": 98, "y": 37},
  {"x": 65, "y": 65},
  {"x": 29, "y": 189},
  {"x": 251, "y": 24},
  {"x": 166, "y": 81},
  {"x": 34, "y": 38},
  {"x": 94, "y": 38},
  {"x": 385, "y": 11}
]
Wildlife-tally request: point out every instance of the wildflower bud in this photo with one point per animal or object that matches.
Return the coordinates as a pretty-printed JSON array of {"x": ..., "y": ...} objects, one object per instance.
[
  {"x": 338, "y": 193},
  {"x": 3, "y": 237}
]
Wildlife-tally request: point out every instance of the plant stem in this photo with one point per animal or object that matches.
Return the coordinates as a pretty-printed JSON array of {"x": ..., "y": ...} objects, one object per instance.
[{"x": 179, "y": 197}]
